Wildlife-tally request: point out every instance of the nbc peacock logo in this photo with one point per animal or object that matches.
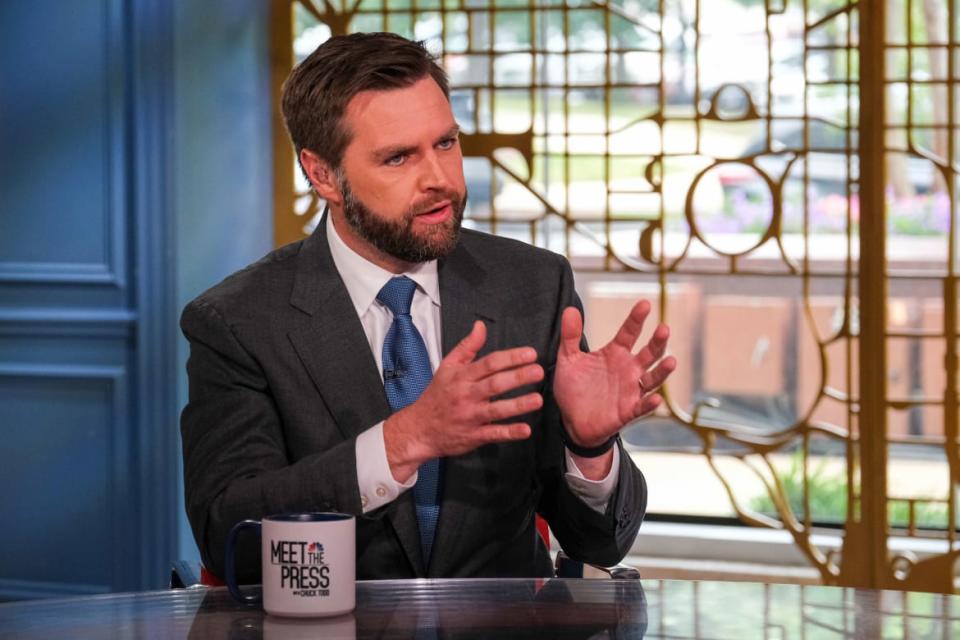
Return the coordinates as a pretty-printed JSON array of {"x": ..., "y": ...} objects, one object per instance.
[
  {"x": 315, "y": 554},
  {"x": 302, "y": 567}
]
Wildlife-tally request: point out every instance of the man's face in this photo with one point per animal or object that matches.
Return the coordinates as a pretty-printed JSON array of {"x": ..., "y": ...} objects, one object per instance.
[{"x": 401, "y": 179}]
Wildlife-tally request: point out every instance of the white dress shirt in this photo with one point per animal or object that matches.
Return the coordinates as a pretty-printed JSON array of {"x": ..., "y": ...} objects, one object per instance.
[{"x": 363, "y": 281}]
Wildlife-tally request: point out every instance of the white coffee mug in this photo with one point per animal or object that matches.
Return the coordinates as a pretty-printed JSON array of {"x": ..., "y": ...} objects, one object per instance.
[{"x": 309, "y": 564}]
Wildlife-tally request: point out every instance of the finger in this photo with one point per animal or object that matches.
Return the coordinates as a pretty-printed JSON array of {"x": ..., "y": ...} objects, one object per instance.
[
  {"x": 632, "y": 326},
  {"x": 509, "y": 408},
  {"x": 467, "y": 349},
  {"x": 655, "y": 348},
  {"x": 651, "y": 380},
  {"x": 507, "y": 380},
  {"x": 571, "y": 331},
  {"x": 503, "y": 432},
  {"x": 498, "y": 361},
  {"x": 646, "y": 405}
]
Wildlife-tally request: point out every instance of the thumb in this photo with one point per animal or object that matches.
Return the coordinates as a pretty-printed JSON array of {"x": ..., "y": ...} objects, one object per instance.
[{"x": 571, "y": 331}]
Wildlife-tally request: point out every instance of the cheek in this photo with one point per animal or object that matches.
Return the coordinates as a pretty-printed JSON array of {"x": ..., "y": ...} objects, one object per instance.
[
  {"x": 384, "y": 196},
  {"x": 454, "y": 170}
]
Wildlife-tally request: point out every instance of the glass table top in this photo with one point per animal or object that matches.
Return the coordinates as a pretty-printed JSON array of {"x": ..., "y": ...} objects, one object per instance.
[{"x": 515, "y": 608}]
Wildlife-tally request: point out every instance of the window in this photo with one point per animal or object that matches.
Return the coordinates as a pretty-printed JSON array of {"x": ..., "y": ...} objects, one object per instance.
[{"x": 791, "y": 213}]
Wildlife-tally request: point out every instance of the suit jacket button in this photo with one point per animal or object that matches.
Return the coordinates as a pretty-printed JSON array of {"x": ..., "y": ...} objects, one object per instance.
[{"x": 363, "y": 501}]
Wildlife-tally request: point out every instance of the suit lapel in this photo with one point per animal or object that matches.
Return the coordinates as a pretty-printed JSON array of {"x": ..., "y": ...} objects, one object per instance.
[
  {"x": 464, "y": 300},
  {"x": 334, "y": 349},
  {"x": 331, "y": 343}
]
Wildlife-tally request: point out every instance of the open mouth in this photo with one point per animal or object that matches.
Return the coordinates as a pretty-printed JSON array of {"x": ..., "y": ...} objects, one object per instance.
[{"x": 438, "y": 213}]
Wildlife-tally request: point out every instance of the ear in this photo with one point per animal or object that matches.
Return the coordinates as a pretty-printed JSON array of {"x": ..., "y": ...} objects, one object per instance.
[{"x": 321, "y": 176}]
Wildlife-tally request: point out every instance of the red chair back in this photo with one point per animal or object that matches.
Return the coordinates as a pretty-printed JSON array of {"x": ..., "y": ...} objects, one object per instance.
[
  {"x": 544, "y": 530},
  {"x": 208, "y": 579}
]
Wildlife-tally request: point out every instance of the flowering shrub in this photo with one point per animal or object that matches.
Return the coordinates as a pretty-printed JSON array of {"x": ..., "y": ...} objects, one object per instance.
[
  {"x": 747, "y": 210},
  {"x": 918, "y": 215},
  {"x": 827, "y": 214}
]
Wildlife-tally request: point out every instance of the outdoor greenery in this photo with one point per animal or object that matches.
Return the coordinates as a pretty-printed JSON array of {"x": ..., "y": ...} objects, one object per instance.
[
  {"x": 828, "y": 492},
  {"x": 828, "y": 498}
]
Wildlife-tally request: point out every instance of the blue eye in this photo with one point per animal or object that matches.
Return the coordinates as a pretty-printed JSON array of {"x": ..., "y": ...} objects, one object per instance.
[
  {"x": 395, "y": 161},
  {"x": 447, "y": 144}
]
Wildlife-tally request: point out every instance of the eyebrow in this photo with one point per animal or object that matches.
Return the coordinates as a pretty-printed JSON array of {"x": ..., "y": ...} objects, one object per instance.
[
  {"x": 452, "y": 132},
  {"x": 396, "y": 150}
]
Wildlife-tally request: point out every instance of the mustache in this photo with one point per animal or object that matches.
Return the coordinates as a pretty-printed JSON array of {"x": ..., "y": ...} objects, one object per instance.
[{"x": 452, "y": 196}]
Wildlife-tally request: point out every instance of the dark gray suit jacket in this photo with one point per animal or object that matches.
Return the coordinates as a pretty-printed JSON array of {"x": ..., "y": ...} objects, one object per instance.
[{"x": 282, "y": 381}]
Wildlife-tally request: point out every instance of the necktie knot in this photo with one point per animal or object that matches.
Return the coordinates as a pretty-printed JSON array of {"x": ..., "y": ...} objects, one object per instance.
[{"x": 397, "y": 294}]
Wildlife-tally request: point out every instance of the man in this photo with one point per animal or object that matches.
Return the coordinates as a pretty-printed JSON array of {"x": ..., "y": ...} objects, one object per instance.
[{"x": 429, "y": 380}]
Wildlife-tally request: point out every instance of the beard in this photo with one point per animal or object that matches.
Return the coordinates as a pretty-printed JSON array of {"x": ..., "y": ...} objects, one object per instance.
[{"x": 397, "y": 238}]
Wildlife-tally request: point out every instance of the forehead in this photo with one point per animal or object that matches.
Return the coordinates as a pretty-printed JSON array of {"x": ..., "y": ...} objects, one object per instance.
[{"x": 407, "y": 116}]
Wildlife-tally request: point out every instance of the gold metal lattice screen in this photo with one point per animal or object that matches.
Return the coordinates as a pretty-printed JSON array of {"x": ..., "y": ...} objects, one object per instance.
[{"x": 781, "y": 176}]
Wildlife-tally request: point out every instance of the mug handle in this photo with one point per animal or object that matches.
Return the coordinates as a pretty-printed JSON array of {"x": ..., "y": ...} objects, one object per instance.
[{"x": 230, "y": 570}]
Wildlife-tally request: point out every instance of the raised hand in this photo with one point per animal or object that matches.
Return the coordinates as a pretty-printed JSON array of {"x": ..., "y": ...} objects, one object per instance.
[
  {"x": 455, "y": 412},
  {"x": 601, "y": 391}
]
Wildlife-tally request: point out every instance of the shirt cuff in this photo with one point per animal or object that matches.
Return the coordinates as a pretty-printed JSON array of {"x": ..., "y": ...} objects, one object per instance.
[
  {"x": 374, "y": 478},
  {"x": 594, "y": 493}
]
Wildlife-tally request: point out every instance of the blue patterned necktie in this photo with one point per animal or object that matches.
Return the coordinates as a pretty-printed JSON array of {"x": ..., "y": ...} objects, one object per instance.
[{"x": 406, "y": 373}]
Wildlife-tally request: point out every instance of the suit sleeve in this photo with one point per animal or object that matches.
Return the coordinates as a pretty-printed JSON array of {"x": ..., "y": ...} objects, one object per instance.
[
  {"x": 235, "y": 462},
  {"x": 584, "y": 534}
]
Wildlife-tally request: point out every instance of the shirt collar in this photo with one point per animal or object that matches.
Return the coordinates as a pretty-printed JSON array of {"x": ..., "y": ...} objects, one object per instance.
[{"x": 363, "y": 279}]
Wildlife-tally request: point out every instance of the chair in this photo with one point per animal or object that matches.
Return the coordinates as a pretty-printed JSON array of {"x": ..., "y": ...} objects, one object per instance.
[
  {"x": 184, "y": 575},
  {"x": 566, "y": 567}
]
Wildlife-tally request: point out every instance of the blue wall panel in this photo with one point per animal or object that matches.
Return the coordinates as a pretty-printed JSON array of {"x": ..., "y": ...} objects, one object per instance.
[
  {"x": 64, "y": 451},
  {"x": 135, "y": 172},
  {"x": 87, "y": 291},
  {"x": 62, "y": 121}
]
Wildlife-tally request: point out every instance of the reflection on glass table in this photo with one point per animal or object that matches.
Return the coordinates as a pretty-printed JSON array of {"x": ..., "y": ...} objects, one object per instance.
[{"x": 515, "y": 608}]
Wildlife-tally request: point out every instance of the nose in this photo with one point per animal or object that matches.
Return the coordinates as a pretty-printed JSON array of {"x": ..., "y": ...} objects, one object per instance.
[{"x": 433, "y": 174}]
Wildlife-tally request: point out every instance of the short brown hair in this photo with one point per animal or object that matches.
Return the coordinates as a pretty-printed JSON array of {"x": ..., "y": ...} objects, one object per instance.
[{"x": 316, "y": 94}]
